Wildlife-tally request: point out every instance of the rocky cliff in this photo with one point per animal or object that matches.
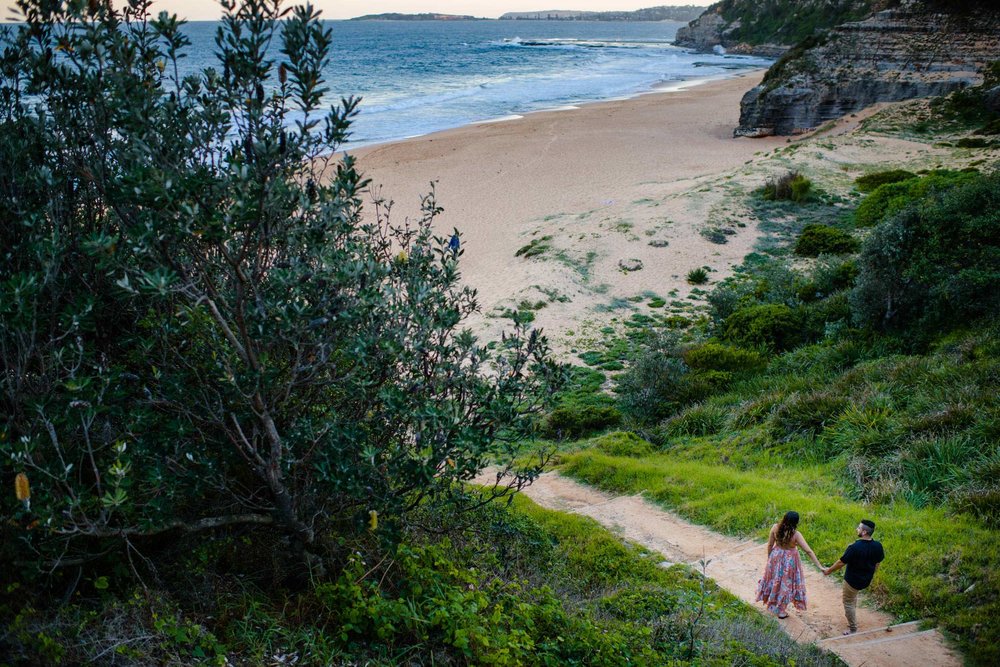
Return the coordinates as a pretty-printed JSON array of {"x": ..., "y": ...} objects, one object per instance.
[
  {"x": 767, "y": 27},
  {"x": 911, "y": 51}
]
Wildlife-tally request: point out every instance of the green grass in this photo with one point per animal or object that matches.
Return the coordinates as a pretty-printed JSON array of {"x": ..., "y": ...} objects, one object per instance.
[
  {"x": 624, "y": 582},
  {"x": 535, "y": 248},
  {"x": 939, "y": 565}
]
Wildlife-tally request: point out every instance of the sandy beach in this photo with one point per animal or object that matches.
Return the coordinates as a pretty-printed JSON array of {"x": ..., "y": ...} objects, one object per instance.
[{"x": 616, "y": 196}]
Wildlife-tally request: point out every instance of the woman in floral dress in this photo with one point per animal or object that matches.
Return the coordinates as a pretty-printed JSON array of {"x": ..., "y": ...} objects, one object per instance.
[{"x": 783, "y": 582}]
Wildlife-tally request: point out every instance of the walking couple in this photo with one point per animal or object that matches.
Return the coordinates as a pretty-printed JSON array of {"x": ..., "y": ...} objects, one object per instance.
[{"x": 783, "y": 582}]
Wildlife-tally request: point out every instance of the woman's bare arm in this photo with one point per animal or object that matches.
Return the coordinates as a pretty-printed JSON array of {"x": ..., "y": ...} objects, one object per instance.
[
  {"x": 801, "y": 541},
  {"x": 770, "y": 539}
]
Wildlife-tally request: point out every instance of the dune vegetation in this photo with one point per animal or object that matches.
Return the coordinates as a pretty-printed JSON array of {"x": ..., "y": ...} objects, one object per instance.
[{"x": 861, "y": 383}]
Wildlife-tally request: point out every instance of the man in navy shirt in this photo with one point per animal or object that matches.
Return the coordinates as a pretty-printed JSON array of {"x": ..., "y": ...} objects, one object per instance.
[{"x": 862, "y": 559}]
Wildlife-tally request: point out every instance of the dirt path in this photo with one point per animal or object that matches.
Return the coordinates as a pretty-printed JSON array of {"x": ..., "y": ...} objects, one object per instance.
[{"x": 737, "y": 565}]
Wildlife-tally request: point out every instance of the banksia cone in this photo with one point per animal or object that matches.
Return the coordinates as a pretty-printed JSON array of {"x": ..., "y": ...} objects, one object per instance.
[
  {"x": 372, "y": 520},
  {"x": 22, "y": 489}
]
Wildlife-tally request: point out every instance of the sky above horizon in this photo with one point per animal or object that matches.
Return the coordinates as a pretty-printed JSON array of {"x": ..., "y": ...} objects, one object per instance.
[{"x": 202, "y": 10}]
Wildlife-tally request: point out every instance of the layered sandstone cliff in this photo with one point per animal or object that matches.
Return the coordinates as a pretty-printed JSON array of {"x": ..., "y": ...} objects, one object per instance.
[{"x": 914, "y": 50}]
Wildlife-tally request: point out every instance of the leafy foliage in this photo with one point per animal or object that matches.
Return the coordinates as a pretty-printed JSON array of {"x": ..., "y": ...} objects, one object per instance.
[
  {"x": 791, "y": 186},
  {"x": 623, "y": 443},
  {"x": 200, "y": 326},
  {"x": 816, "y": 240},
  {"x": 869, "y": 182},
  {"x": 934, "y": 264},
  {"x": 888, "y": 200},
  {"x": 774, "y": 326},
  {"x": 718, "y": 357},
  {"x": 698, "y": 276},
  {"x": 655, "y": 385}
]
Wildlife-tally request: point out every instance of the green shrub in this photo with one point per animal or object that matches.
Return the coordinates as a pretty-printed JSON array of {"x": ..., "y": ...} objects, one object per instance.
[
  {"x": 697, "y": 276},
  {"x": 935, "y": 265},
  {"x": 697, "y": 420},
  {"x": 982, "y": 503},
  {"x": 932, "y": 467},
  {"x": 973, "y": 142},
  {"x": 575, "y": 420},
  {"x": 535, "y": 248},
  {"x": 869, "y": 182},
  {"x": 816, "y": 240},
  {"x": 792, "y": 186},
  {"x": 759, "y": 280},
  {"x": 720, "y": 357},
  {"x": 966, "y": 106},
  {"x": 871, "y": 431},
  {"x": 774, "y": 326},
  {"x": 654, "y": 386},
  {"x": 888, "y": 200},
  {"x": 990, "y": 128},
  {"x": 807, "y": 414},
  {"x": 716, "y": 235},
  {"x": 623, "y": 443},
  {"x": 701, "y": 384},
  {"x": 755, "y": 411},
  {"x": 835, "y": 309},
  {"x": 647, "y": 603},
  {"x": 884, "y": 201},
  {"x": 828, "y": 277}
]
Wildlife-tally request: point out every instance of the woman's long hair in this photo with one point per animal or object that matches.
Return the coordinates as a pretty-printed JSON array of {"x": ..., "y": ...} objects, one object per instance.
[{"x": 786, "y": 528}]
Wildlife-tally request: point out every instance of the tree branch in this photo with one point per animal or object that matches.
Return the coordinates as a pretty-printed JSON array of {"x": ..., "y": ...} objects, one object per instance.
[{"x": 202, "y": 524}]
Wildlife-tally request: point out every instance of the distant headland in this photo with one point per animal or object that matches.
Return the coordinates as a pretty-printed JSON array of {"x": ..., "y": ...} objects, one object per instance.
[
  {"x": 661, "y": 13},
  {"x": 416, "y": 17}
]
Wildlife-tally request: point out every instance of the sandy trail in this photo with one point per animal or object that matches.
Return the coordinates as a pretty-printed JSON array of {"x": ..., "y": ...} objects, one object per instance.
[{"x": 737, "y": 565}]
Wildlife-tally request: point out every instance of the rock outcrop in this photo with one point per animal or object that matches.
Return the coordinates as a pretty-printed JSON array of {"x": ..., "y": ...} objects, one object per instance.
[
  {"x": 704, "y": 33},
  {"x": 903, "y": 53}
]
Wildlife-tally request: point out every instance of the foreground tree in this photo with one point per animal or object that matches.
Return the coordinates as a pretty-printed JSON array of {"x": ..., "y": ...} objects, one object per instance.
[{"x": 198, "y": 326}]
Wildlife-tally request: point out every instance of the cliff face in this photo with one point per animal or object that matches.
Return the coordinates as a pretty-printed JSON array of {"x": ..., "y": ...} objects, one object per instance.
[
  {"x": 766, "y": 27},
  {"x": 894, "y": 55}
]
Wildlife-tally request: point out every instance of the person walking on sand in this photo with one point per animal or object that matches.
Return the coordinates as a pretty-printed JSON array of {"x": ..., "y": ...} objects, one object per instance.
[
  {"x": 862, "y": 559},
  {"x": 783, "y": 581}
]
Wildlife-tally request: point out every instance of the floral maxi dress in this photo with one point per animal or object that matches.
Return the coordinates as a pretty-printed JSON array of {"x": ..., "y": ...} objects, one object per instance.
[{"x": 783, "y": 581}]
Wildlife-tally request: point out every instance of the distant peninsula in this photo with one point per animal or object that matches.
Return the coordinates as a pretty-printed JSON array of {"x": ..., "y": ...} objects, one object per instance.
[
  {"x": 661, "y": 13},
  {"x": 415, "y": 17}
]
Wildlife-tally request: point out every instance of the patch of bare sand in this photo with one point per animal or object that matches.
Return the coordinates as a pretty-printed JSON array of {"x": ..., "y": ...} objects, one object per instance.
[
  {"x": 651, "y": 181},
  {"x": 600, "y": 186},
  {"x": 737, "y": 565}
]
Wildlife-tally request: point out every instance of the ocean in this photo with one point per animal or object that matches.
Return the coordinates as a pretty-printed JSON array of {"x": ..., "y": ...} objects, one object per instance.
[{"x": 417, "y": 77}]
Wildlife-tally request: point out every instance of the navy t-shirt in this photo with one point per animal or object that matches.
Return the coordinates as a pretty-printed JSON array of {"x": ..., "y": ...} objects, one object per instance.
[{"x": 861, "y": 559}]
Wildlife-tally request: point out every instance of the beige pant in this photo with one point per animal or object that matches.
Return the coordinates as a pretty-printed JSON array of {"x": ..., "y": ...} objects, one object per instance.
[{"x": 850, "y": 604}]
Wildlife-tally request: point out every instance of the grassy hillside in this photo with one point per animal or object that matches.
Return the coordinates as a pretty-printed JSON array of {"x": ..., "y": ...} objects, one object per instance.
[{"x": 849, "y": 369}]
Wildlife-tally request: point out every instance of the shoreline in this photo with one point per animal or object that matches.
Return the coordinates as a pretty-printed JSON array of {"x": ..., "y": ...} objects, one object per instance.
[
  {"x": 658, "y": 88},
  {"x": 609, "y": 187}
]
